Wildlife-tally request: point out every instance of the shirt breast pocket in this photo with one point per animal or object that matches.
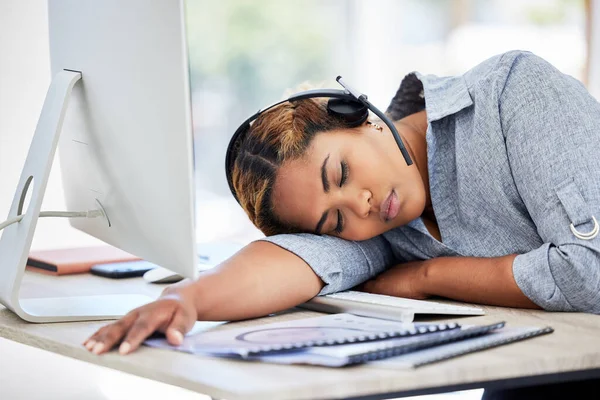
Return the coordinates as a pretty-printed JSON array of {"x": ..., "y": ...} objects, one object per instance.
[{"x": 574, "y": 217}]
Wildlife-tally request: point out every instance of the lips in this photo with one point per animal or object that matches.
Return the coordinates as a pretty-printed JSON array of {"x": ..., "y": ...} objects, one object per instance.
[{"x": 390, "y": 207}]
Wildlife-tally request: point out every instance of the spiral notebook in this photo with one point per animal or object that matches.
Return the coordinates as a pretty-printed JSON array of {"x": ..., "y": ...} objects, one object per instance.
[
  {"x": 328, "y": 330},
  {"x": 408, "y": 352}
]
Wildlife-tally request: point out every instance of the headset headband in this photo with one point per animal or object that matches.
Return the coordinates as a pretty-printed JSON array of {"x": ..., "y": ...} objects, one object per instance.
[{"x": 348, "y": 104}]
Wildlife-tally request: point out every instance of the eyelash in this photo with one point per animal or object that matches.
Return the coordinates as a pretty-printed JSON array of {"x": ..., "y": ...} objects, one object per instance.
[
  {"x": 340, "y": 226},
  {"x": 344, "y": 173}
]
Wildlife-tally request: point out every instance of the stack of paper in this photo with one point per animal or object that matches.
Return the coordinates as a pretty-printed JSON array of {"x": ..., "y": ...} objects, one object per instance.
[{"x": 337, "y": 340}]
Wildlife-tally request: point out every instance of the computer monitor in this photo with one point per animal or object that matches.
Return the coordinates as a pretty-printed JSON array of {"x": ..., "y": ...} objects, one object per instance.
[{"x": 125, "y": 145}]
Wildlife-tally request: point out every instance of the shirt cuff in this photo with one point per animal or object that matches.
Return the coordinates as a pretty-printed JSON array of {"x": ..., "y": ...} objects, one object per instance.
[
  {"x": 323, "y": 263},
  {"x": 534, "y": 277}
]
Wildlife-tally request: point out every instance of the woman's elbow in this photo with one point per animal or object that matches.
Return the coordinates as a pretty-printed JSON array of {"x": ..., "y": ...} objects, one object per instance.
[{"x": 576, "y": 270}]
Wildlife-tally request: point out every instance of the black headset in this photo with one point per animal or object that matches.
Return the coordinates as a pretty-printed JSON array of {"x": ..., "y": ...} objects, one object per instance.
[{"x": 347, "y": 104}]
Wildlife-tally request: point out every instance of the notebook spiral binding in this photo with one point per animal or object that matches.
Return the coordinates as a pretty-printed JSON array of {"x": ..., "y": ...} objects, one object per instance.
[
  {"x": 403, "y": 349},
  {"x": 452, "y": 337},
  {"x": 419, "y": 330}
]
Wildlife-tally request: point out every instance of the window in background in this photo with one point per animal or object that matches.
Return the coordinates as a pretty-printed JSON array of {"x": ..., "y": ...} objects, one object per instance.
[{"x": 245, "y": 54}]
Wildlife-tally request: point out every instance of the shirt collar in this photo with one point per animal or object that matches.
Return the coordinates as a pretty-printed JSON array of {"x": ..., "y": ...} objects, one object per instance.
[{"x": 444, "y": 95}]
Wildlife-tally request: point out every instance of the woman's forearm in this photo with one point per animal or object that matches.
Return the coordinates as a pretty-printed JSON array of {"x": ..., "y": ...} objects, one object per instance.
[
  {"x": 260, "y": 279},
  {"x": 474, "y": 279}
]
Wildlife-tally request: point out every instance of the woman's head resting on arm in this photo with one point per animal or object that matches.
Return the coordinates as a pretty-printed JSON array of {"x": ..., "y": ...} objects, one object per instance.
[{"x": 300, "y": 169}]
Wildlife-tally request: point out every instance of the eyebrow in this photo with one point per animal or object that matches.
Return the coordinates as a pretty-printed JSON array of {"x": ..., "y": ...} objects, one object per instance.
[
  {"x": 321, "y": 222},
  {"x": 325, "y": 189}
]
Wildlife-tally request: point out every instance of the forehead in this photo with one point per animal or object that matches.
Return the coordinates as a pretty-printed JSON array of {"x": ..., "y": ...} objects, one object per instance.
[{"x": 298, "y": 194}]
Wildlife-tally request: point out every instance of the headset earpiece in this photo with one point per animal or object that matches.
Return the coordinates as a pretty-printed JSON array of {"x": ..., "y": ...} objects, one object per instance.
[{"x": 355, "y": 113}]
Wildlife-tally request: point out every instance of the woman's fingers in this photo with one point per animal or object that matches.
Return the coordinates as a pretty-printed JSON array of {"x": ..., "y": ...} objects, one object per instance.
[
  {"x": 146, "y": 324},
  {"x": 179, "y": 326},
  {"x": 105, "y": 338},
  {"x": 174, "y": 314}
]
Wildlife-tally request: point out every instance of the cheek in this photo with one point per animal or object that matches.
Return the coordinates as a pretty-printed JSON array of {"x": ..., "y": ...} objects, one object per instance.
[
  {"x": 363, "y": 229},
  {"x": 365, "y": 157},
  {"x": 374, "y": 164}
]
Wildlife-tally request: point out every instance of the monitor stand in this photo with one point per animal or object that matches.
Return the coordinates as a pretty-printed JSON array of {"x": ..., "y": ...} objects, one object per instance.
[{"x": 16, "y": 239}]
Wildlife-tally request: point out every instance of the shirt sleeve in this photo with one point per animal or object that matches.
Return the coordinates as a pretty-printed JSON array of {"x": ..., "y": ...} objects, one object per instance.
[
  {"x": 552, "y": 130},
  {"x": 340, "y": 263}
]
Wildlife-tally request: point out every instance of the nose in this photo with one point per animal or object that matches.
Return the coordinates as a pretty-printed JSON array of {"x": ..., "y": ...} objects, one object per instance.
[{"x": 361, "y": 205}]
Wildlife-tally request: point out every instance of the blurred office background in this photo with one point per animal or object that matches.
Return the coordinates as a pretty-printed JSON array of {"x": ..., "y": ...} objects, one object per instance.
[{"x": 244, "y": 54}]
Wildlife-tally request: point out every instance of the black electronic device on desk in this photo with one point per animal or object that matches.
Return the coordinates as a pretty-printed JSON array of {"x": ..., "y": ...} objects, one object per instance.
[{"x": 127, "y": 269}]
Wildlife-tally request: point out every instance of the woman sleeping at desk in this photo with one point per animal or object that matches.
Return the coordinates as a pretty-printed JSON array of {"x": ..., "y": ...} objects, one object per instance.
[{"x": 492, "y": 201}]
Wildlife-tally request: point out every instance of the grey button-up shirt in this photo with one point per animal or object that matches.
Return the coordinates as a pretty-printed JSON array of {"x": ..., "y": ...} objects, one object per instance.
[{"x": 513, "y": 149}]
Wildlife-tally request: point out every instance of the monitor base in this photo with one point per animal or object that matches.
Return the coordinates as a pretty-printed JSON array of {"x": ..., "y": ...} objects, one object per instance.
[{"x": 80, "y": 308}]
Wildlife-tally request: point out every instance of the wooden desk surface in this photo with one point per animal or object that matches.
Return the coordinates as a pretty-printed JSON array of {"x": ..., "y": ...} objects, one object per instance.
[{"x": 574, "y": 346}]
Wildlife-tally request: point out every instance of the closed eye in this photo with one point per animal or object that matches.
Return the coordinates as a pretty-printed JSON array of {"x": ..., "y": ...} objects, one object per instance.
[
  {"x": 344, "y": 173},
  {"x": 340, "y": 224}
]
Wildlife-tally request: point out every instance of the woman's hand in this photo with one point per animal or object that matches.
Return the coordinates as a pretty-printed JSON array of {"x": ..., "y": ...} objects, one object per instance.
[
  {"x": 402, "y": 280},
  {"x": 173, "y": 314}
]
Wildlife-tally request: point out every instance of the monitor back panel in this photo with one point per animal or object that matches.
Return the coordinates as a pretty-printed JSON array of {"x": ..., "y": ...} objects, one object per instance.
[{"x": 127, "y": 138}]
